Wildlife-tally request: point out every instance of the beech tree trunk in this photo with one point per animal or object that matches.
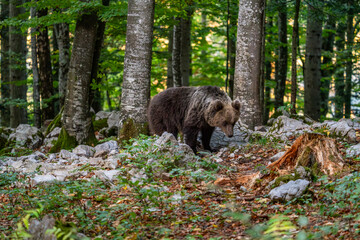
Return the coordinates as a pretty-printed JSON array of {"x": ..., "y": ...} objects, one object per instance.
[
  {"x": 327, "y": 65},
  {"x": 63, "y": 41},
  {"x": 176, "y": 54},
  {"x": 349, "y": 59},
  {"x": 45, "y": 72},
  {"x": 137, "y": 68},
  {"x": 169, "y": 79},
  {"x": 35, "y": 71},
  {"x": 18, "y": 88},
  {"x": 294, "y": 48},
  {"x": 76, "y": 116},
  {"x": 339, "y": 71},
  {"x": 281, "y": 72},
  {"x": 247, "y": 82},
  {"x": 5, "y": 74},
  {"x": 312, "y": 71},
  {"x": 95, "y": 94}
]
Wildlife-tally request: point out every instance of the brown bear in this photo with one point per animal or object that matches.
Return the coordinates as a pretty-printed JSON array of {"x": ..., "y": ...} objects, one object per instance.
[{"x": 191, "y": 110}]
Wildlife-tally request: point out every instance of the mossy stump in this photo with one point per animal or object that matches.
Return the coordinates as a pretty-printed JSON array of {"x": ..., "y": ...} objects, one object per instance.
[{"x": 130, "y": 129}]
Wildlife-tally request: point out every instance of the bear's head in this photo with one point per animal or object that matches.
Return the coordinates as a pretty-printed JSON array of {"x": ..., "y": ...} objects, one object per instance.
[{"x": 223, "y": 115}]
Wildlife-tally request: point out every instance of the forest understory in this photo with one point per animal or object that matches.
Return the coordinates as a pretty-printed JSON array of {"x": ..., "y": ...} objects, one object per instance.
[{"x": 203, "y": 199}]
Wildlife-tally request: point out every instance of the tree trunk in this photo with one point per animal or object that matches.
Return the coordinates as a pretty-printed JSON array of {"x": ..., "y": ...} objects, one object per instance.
[
  {"x": 176, "y": 54},
  {"x": 18, "y": 88},
  {"x": 5, "y": 87},
  {"x": 95, "y": 94},
  {"x": 247, "y": 82},
  {"x": 185, "y": 55},
  {"x": 312, "y": 72},
  {"x": 77, "y": 125},
  {"x": 281, "y": 72},
  {"x": 35, "y": 70},
  {"x": 137, "y": 68},
  {"x": 170, "y": 79},
  {"x": 339, "y": 71},
  {"x": 45, "y": 72},
  {"x": 294, "y": 47},
  {"x": 327, "y": 69},
  {"x": 268, "y": 71},
  {"x": 232, "y": 47},
  {"x": 63, "y": 40},
  {"x": 349, "y": 61}
]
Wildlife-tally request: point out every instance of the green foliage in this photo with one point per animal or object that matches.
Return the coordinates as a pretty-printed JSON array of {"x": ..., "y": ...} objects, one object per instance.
[
  {"x": 65, "y": 141},
  {"x": 21, "y": 231}
]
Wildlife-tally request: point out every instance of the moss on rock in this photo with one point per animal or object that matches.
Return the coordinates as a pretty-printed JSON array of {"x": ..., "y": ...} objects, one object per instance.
[
  {"x": 131, "y": 129},
  {"x": 65, "y": 141},
  {"x": 55, "y": 123},
  {"x": 100, "y": 124}
]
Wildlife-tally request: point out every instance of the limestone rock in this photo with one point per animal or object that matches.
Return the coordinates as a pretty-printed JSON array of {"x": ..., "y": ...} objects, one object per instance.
[
  {"x": 353, "y": 151},
  {"x": 285, "y": 127},
  {"x": 276, "y": 156},
  {"x": 41, "y": 179},
  {"x": 38, "y": 228},
  {"x": 27, "y": 136},
  {"x": 289, "y": 191},
  {"x": 84, "y": 151},
  {"x": 106, "y": 147},
  {"x": 102, "y": 115}
]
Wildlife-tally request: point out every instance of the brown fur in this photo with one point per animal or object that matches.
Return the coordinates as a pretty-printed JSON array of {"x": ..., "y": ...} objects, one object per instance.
[{"x": 193, "y": 109}]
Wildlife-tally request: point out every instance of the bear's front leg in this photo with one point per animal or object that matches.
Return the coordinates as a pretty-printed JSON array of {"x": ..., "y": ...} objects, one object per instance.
[
  {"x": 190, "y": 137},
  {"x": 206, "y": 134}
]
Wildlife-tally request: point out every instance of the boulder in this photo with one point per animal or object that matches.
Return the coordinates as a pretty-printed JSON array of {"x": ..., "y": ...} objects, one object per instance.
[
  {"x": 276, "y": 156},
  {"x": 241, "y": 135},
  {"x": 38, "y": 228},
  {"x": 102, "y": 115},
  {"x": 353, "y": 151},
  {"x": 84, "y": 151},
  {"x": 51, "y": 137},
  {"x": 106, "y": 148},
  {"x": 42, "y": 179},
  {"x": 340, "y": 129},
  {"x": 285, "y": 127},
  {"x": 27, "y": 136},
  {"x": 113, "y": 123},
  {"x": 289, "y": 191}
]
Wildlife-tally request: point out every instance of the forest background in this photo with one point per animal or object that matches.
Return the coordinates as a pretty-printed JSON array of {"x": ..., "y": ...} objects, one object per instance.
[{"x": 194, "y": 43}]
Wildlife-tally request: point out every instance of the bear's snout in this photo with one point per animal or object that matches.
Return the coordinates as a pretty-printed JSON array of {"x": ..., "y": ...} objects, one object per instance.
[{"x": 228, "y": 130}]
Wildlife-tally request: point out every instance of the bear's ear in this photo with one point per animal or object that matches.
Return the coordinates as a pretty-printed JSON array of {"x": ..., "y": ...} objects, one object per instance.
[
  {"x": 216, "y": 106},
  {"x": 236, "y": 104}
]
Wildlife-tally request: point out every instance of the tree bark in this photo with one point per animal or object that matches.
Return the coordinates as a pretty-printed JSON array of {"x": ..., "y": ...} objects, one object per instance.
[
  {"x": 312, "y": 71},
  {"x": 5, "y": 87},
  {"x": 339, "y": 72},
  {"x": 327, "y": 69},
  {"x": 281, "y": 72},
  {"x": 63, "y": 41},
  {"x": 170, "y": 79},
  {"x": 268, "y": 71},
  {"x": 247, "y": 83},
  {"x": 95, "y": 94},
  {"x": 185, "y": 52},
  {"x": 35, "y": 70},
  {"x": 45, "y": 72},
  {"x": 137, "y": 68},
  {"x": 176, "y": 54},
  {"x": 294, "y": 48},
  {"x": 18, "y": 88},
  {"x": 349, "y": 61},
  {"x": 76, "y": 117}
]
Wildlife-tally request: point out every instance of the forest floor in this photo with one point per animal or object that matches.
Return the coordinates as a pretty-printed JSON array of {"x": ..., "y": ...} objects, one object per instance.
[{"x": 186, "y": 204}]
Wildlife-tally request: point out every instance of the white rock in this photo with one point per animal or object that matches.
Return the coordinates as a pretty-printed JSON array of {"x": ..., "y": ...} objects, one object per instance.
[
  {"x": 277, "y": 156},
  {"x": 353, "y": 151},
  {"x": 27, "y": 136},
  {"x": 40, "y": 179},
  {"x": 102, "y": 115},
  {"x": 84, "y": 150},
  {"x": 290, "y": 190},
  {"x": 107, "y": 175}
]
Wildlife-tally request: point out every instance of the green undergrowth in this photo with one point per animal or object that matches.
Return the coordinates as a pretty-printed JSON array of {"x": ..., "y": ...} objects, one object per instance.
[{"x": 150, "y": 206}]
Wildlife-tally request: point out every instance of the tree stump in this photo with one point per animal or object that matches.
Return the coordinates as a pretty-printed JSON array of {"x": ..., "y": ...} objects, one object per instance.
[{"x": 314, "y": 151}]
